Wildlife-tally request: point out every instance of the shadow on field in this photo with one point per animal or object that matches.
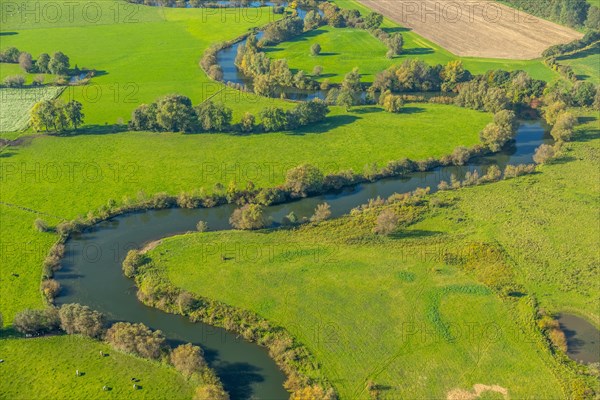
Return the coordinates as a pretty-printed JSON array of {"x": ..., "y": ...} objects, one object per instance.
[
  {"x": 417, "y": 51},
  {"x": 396, "y": 29},
  {"x": 8, "y": 33},
  {"x": 414, "y": 234},
  {"x": 411, "y": 110},
  {"x": 329, "y": 124},
  {"x": 96, "y": 130}
]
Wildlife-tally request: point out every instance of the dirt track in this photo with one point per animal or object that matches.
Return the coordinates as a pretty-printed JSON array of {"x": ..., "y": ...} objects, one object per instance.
[{"x": 476, "y": 28}]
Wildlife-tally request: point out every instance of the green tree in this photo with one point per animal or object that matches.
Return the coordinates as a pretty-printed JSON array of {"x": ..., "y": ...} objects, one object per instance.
[
  {"x": 187, "y": 359},
  {"x": 315, "y": 49},
  {"x": 395, "y": 43},
  {"x": 25, "y": 62},
  {"x": 42, "y": 63},
  {"x": 78, "y": 319},
  {"x": 10, "y": 55},
  {"x": 59, "y": 63},
  {"x": 250, "y": 216},
  {"x": 247, "y": 123},
  {"x": 73, "y": 111},
  {"x": 322, "y": 212},
  {"x": 33, "y": 322},
  {"x": 174, "y": 113},
  {"x": 214, "y": 116},
  {"x": 137, "y": 339},
  {"x": 43, "y": 116},
  {"x": 312, "y": 20},
  {"x": 373, "y": 21},
  {"x": 273, "y": 119},
  {"x": 304, "y": 180},
  {"x": 563, "y": 129}
]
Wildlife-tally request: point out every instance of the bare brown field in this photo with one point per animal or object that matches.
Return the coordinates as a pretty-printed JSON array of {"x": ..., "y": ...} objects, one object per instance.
[{"x": 476, "y": 28}]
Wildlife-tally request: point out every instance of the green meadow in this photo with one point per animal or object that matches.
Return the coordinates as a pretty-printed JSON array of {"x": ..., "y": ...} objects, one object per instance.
[
  {"x": 585, "y": 64},
  {"x": 44, "y": 368}
]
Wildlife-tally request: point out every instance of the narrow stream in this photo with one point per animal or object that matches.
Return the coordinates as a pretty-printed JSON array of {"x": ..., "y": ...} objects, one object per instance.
[{"x": 91, "y": 273}]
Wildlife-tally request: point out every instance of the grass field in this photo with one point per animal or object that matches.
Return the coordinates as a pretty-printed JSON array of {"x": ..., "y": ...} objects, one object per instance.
[
  {"x": 344, "y": 49},
  {"x": 585, "y": 64},
  {"x": 17, "y": 105},
  {"x": 44, "y": 368},
  {"x": 126, "y": 163},
  {"x": 365, "y": 307}
]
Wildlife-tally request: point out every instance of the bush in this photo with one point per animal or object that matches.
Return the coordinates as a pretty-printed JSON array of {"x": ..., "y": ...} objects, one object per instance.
[
  {"x": 40, "y": 225},
  {"x": 187, "y": 359},
  {"x": 14, "y": 81},
  {"x": 552, "y": 112},
  {"x": 50, "y": 288},
  {"x": 247, "y": 122},
  {"x": 202, "y": 226},
  {"x": 460, "y": 155},
  {"x": 387, "y": 222},
  {"x": 304, "y": 180},
  {"x": 210, "y": 392},
  {"x": 78, "y": 319},
  {"x": 249, "y": 217},
  {"x": 137, "y": 339},
  {"x": 543, "y": 154},
  {"x": 34, "y": 322},
  {"x": 563, "y": 129},
  {"x": 132, "y": 262},
  {"x": 274, "y": 119},
  {"x": 392, "y": 103},
  {"x": 322, "y": 212},
  {"x": 213, "y": 117},
  {"x": 315, "y": 49}
]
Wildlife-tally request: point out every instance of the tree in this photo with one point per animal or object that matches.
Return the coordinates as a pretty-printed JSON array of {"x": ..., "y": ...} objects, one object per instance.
[
  {"x": 14, "y": 81},
  {"x": 248, "y": 217},
  {"x": 552, "y": 111},
  {"x": 25, "y": 62},
  {"x": 174, "y": 113},
  {"x": 351, "y": 90},
  {"x": 317, "y": 70},
  {"x": 210, "y": 392},
  {"x": 187, "y": 359},
  {"x": 137, "y": 339},
  {"x": 563, "y": 129},
  {"x": 78, "y": 319},
  {"x": 273, "y": 119},
  {"x": 59, "y": 63},
  {"x": 312, "y": 20},
  {"x": 304, "y": 180},
  {"x": 322, "y": 212},
  {"x": 315, "y": 49},
  {"x": 213, "y": 116},
  {"x": 452, "y": 74},
  {"x": 42, "y": 63},
  {"x": 43, "y": 115},
  {"x": 504, "y": 128},
  {"x": 373, "y": 21},
  {"x": 202, "y": 226},
  {"x": 133, "y": 260},
  {"x": 34, "y": 322},
  {"x": 311, "y": 112},
  {"x": 50, "y": 288},
  {"x": 392, "y": 103},
  {"x": 38, "y": 80},
  {"x": 544, "y": 153},
  {"x": 143, "y": 118},
  {"x": 583, "y": 93},
  {"x": 460, "y": 155},
  {"x": 10, "y": 55},
  {"x": 73, "y": 111},
  {"x": 263, "y": 85},
  {"x": 387, "y": 222},
  {"x": 247, "y": 123},
  {"x": 395, "y": 43}
]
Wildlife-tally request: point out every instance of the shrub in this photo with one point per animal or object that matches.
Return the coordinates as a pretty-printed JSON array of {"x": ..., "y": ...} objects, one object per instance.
[
  {"x": 50, "y": 288},
  {"x": 315, "y": 49},
  {"x": 33, "y": 322},
  {"x": 387, "y": 222},
  {"x": 247, "y": 122},
  {"x": 137, "y": 339},
  {"x": 210, "y": 392},
  {"x": 543, "y": 154},
  {"x": 40, "y": 225},
  {"x": 201, "y": 226},
  {"x": 213, "y": 117},
  {"x": 273, "y": 119},
  {"x": 314, "y": 392},
  {"x": 392, "y": 103},
  {"x": 187, "y": 359},
  {"x": 78, "y": 319},
  {"x": 317, "y": 70},
  {"x": 14, "y": 81},
  {"x": 552, "y": 112},
  {"x": 249, "y": 216},
  {"x": 304, "y": 180},
  {"x": 460, "y": 155},
  {"x": 563, "y": 129},
  {"x": 322, "y": 212},
  {"x": 132, "y": 262}
]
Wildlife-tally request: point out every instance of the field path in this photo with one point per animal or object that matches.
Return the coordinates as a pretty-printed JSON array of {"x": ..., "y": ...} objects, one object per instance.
[{"x": 476, "y": 28}]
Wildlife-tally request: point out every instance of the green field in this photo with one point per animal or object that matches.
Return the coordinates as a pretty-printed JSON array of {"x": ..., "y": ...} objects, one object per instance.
[
  {"x": 17, "y": 105},
  {"x": 585, "y": 64},
  {"x": 344, "y": 49},
  {"x": 44, "y": 368}
]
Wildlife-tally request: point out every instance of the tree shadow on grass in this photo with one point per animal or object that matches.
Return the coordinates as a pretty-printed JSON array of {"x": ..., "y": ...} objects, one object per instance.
[
  {"x": 411, "y": 110},
  {"x": 8, "y": 33},
  {"x": 414, "y": 234},
  {"x": 417, "y": 51},
  {"x": 397, "y": 29},
  {"x": 330, "y": 123},
  {"x": 96, "y": 130}
]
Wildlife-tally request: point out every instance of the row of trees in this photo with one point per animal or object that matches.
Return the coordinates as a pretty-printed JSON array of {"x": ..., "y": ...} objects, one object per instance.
[
  {"x": 574, "y": 13},
  {"x": 56, "y": 116},
  {"x": 175, "y": 113},
  {"x": 58, "y": 64}
]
